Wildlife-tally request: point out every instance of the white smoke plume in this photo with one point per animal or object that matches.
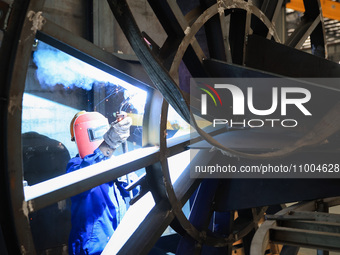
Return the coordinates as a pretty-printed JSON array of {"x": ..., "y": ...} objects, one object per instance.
[{"x": 55, "y": 67}]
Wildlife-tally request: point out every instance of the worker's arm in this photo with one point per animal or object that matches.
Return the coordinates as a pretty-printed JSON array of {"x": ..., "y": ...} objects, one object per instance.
[{"x": 117, "y": 134}]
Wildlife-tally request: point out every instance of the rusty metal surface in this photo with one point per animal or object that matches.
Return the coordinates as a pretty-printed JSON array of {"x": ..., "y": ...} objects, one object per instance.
[
  {"x": 7, "y": 51},
  {"x": 16, "y": 87},
  {"x": 16, "y": 73}
]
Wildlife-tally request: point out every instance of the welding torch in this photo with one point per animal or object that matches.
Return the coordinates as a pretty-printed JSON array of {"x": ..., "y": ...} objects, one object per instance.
[{"x": 119, "y": 117}]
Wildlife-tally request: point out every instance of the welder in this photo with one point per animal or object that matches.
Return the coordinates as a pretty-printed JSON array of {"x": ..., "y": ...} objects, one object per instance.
[{"x": 97, "y": 212}]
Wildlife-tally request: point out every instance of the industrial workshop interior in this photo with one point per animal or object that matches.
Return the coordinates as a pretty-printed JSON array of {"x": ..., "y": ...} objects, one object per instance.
[{"x": 170, "y": 127}]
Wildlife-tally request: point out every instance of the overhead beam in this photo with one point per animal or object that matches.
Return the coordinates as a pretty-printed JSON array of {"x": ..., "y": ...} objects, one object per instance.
[{"x": 330, "y": 9}]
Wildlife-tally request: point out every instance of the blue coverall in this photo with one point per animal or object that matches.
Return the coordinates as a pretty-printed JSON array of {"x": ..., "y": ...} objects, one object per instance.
[{"x": 97, "y": 212}]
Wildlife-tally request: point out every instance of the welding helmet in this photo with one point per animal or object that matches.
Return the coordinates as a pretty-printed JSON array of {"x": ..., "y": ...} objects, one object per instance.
[{"x": 87, "y": 130}]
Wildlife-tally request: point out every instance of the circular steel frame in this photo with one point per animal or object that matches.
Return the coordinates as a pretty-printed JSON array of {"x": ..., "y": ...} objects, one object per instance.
[
  {"x": 166, "y": 81},
  {"x": 218, "y": 8},
  {"x": 200, "y": 236},
  {"x": 15, "y": 58},
  {"x": 124, "y": 17},
  {"x": 171, "y": 79},
  {"x": 18, "y": 40}
]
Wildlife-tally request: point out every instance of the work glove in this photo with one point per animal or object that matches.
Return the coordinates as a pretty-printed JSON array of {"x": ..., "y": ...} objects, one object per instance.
[{"x": 118, "y": 132}]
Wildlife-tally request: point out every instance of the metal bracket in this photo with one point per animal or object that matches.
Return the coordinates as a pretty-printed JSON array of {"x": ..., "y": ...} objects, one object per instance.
[
  {"x": 144, "y": 188},
  {"x": 5, "y": 11}
]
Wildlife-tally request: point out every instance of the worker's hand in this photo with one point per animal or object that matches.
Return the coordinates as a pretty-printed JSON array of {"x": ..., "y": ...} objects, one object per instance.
[{"x": 118, "y": 132}]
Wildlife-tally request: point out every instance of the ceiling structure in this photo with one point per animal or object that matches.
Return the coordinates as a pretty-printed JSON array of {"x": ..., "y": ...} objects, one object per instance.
[{"x": 331, "y": 14}]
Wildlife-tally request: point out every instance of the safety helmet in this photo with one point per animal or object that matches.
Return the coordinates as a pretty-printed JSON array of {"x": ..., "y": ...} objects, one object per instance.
[{"x": 87, "y": 130}]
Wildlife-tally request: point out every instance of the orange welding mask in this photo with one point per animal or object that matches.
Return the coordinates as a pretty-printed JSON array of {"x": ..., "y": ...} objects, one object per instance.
[{"x": 87, "y": 130}]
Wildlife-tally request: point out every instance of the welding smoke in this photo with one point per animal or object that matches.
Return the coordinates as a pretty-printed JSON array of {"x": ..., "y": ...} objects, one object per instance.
[
  {"x": 136, "y": 100},
  {"x": 55, "y": 67}
]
